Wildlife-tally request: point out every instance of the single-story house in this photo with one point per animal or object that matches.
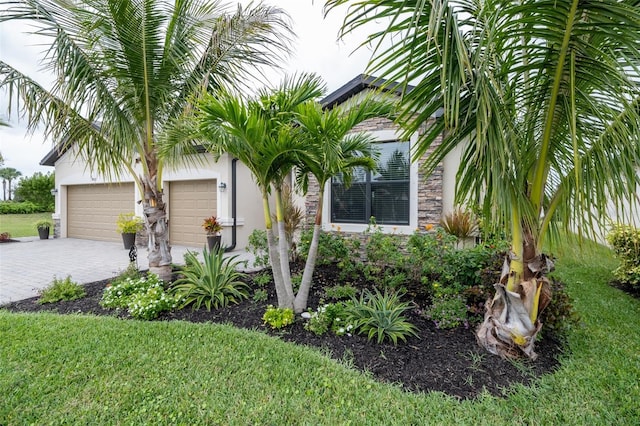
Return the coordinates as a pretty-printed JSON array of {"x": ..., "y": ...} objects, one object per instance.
[{"x": 400, "y": 197}]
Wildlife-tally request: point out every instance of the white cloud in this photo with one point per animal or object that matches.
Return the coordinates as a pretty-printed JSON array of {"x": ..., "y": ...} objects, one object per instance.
[{"x": 316, "y": 49}]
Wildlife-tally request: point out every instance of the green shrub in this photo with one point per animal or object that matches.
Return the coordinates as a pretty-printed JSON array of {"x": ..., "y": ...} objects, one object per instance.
[
  {"x": 61, "y": 290},
  {"x": 262, "y": 279},
  {"x": 559, "y": 316},
  {"x": 332, "y": 246},
  {"x": 260, "y": 295},
  {"x": 625, "y": 241},
  {"x": 340, "y": 292},
  {"x": 121, "y": 290},
  {"x": 214, "y": 283},
  {"x": 27, "y": 207},
  {"x": 257, "y": 245},
  {"x": 278, "y": 317},
  {"x": 448, "y": 311},
  {"x": 383, "y": 251},
  {"x": 148, "y": 305},
  {"x": 331, "y": 316},
  {"x": 380, "y": 315},
  {"x": 129, "y": 223}
]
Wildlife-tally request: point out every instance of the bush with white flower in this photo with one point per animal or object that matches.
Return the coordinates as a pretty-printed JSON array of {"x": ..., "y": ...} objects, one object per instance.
[
  {"x": 143, "y": 296},
  {"x": 330, "y": 316}
]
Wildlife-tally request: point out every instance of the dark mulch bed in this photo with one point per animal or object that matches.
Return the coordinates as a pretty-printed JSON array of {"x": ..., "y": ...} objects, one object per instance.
[
  {"x": 627, "y": 288},
  {"x": 449, "y": 361}
]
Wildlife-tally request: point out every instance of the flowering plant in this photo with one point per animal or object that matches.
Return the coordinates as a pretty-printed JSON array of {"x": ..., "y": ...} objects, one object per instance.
[{"x": 212, "y": 225}]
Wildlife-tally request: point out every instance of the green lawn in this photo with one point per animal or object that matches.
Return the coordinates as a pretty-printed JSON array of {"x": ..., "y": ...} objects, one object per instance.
[
  {"x": 97, "y": 370},
  {"x": 21, "y": 225}
]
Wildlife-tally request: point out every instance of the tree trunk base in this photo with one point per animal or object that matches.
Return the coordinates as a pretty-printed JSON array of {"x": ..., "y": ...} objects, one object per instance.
[
  {"x": 163, "y": 272},
  {"x": 507, "y": 329}
]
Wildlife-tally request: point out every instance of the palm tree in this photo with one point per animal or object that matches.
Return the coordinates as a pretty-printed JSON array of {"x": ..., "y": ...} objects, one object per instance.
[
  {"x": 258, "y": 132},
  {"x": 334, "y": 151},
  {"x": 136, "y": 67},
  {"x": 544, "y": 98},
  {"x": 8, "y": 174}
]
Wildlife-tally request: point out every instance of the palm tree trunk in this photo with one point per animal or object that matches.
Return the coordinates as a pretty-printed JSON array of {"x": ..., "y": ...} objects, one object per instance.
[
  {"x": 300, "y": 302},
  {"x": 274, "y": 256},
  {"x": 511, "y": 322},
  {"x": 284, "y": 252}
]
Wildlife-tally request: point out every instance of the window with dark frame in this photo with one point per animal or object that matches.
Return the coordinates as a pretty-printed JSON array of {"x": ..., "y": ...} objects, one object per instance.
[{"x": 382, "y": 193}]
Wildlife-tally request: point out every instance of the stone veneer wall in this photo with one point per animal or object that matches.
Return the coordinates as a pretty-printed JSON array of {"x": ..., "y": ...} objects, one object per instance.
[{"x": 429, "y": 187}]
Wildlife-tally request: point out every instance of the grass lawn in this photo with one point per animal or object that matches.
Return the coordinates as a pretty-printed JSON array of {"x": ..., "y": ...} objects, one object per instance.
[
  {"x": 21, "y": 225},
  {"x": 101, "y": 370}
]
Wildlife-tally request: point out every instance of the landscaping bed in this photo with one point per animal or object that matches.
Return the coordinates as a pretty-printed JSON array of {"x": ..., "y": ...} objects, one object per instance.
[{"x": 436, "y": 360}]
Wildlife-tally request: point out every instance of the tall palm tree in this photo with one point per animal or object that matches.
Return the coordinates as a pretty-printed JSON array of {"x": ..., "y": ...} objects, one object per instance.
[
  {"x": 259, "y": 133},
  {"x": 544, "y": 97},
  {"x": 334, "y": 151},
  {"x": 136, "y": 67},
  {"x": 8, "y": 174}
]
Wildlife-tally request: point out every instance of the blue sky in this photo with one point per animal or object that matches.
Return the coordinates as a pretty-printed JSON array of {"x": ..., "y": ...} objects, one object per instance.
[{"x": 315, "y": 50}]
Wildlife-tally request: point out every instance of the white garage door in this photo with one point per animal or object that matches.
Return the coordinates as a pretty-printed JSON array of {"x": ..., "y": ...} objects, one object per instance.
[
  {"x": 190, "y": 202},
  {"x": 92, "y": 210}
]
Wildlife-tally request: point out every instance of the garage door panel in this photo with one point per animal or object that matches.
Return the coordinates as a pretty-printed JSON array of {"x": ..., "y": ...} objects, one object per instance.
[
  {"x": 190, "y": 202},
  {"x": 92, "y": 210}
]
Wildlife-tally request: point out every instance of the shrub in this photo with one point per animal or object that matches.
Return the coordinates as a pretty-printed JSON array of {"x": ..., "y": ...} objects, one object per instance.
[
  {"x": 559, "y": 316},
  {"x": 214, "y": 283},
  {"x": 260, "y": 295},
  {"x": 5, "y": 236},
  {"x": 625, "y": 241},
  {"x": 448, "y": 311},
  {"x": 129, "y": 223},
  {"x": 148, "y": 305},
  {"x": 262, "y": 279},
  {"x": 121, "y": 290},
  {"x": 383, "y": 251},
  {"x": 257, "y": 245},
  {"x": 278, "y": 317},
  {"x": 460, "y": 223},
  {"x": 340, "y": 292},
  {"x": 43, "y": 224},
  {"x": 331, "y": 316},
  {"x": 27, "y": 207},
  {"x": 380, "y": 315},
  {"x": 61, "y": 290}
]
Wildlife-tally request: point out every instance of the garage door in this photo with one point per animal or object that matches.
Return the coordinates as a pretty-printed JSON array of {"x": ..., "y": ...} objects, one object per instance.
[
  {"x": 92, "y": 210},
  {"x": 189, "y": 203}
]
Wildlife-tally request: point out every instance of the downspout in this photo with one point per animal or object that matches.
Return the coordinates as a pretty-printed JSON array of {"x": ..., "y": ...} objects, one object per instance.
[{"x": 234, "y": 209}]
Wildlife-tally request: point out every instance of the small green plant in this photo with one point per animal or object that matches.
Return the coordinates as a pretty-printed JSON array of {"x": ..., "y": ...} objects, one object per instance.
[
  {"x": 257, "y": 245},
  {"x": 296, "y": 280},
  {"x": 149, "y": 304},
  {"x": 119, "y": 292},
  {"x": 340, "y": 292},
  {"x": 214, "y": 283},
  {"x": 260, "y": 295},
  {"x": 262, "y": 279},
  {"x": 379, "y": 315},
  {"x": 278, "y": 317},
  {"x": 43, "y": 224},
  {"x": 331, "y": 316},
  {"x": 448, "y": 311},
  {"x": 625, "y": 241},
  {"x": 61, "y": 290},
  {"x": 129, "y": 223}
]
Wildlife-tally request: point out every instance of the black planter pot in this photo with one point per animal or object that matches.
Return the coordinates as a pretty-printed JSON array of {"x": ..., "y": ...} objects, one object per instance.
[
  {"x": 129, "y": 240},
  {"x": 214, "y": 242},
  {"x": 43, "y": 233}
]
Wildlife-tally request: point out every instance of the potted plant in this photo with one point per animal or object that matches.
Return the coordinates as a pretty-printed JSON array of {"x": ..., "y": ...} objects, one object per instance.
[
  {"x": 213, "y": 227},
  {"x": 128, "y": 224},
  {"x": 44, "y": 226}
]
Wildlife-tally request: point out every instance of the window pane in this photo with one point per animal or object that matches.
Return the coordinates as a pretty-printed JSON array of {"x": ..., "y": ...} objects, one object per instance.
[
  {"x": 348, "y": 205},
  {"x": 393, "y": 163},
  {"x": 390, "y": 202}
]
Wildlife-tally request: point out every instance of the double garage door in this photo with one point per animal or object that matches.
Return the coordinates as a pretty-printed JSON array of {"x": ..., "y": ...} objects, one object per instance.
[{"x": 92, "y": 210}]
